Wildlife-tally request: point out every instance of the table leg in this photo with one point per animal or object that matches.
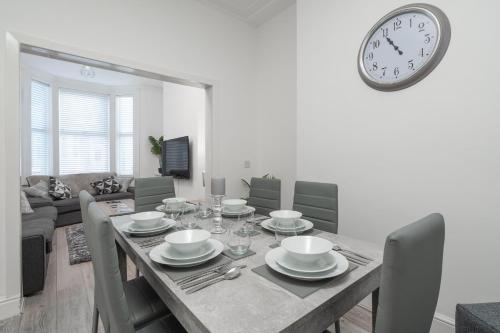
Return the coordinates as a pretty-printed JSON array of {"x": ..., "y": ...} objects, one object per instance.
[
  {"x": 122, "y": 261},
  {"x": 374, "y": 308}
]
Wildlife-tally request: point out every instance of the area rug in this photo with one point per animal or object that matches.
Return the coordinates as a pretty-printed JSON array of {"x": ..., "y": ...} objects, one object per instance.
[{"x": 77, "y": 245}]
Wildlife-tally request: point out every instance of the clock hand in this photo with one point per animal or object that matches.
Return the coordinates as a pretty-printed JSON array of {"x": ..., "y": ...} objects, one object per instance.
[{"x": 396, "y": 48}]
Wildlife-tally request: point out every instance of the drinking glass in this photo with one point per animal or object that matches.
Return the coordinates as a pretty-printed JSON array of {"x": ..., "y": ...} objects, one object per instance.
[
  {"x": 250, "y": 222},
  {"x": 238, "y": 239},
  {"x": 217, "y": 211},
  {"x": 281, "y": 231}
]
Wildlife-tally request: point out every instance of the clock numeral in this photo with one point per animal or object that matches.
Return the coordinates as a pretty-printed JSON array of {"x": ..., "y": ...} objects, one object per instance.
[
  {"x": 376, "y": 44},
  {"x": 427, "y": 39},
  {"x": 421, "y": 26},
  {"x": 396, "y": 71},
  {"x": 421, "y": 53},
  {"x": 411, "y": 65},
  {"x": 385, "y": 32},
  {"x": 370, "y": 56},
  {"x": 375, "y": 66},
  {"x": 383, "y": 70},
  {"x": 397, "y": 24}
]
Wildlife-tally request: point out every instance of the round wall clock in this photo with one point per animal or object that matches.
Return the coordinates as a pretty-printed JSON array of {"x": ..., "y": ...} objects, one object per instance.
[{"x": 403, "y": 47}]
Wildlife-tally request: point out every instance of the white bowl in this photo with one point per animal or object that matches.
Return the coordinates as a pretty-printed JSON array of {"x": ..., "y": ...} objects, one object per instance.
[
  {"x": 306, "y": 249},
  {"x": 234, "y": 205},
  {"x": 187, "y": 241},
  {"x": 174, "y": 203},
  {"x": 147, "y": 219},
  {"x": 285, "y": 218}
]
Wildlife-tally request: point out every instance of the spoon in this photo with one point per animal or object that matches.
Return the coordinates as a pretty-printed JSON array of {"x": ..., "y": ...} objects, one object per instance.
[{"x": 233, "y": 273}]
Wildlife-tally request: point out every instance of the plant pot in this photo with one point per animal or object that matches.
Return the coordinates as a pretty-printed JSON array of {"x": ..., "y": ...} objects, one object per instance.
[{"x": 160, "y": 171}]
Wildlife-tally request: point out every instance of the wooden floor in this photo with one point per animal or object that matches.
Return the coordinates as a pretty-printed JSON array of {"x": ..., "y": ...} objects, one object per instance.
[{"x": 65, "y": 304}]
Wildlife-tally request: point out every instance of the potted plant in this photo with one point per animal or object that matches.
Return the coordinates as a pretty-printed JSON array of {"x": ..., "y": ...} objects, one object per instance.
[{"x": 156, "y": 146}]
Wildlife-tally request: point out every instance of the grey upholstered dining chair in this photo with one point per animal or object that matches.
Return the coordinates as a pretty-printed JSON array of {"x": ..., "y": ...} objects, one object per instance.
[
  {"x": 411, "y": 277},
  {"x": 318, "y": 203},
  {"x": 123, "y": 306},
  {"x": 265, "y": 195},
  {"x": 149, "y": 192}
]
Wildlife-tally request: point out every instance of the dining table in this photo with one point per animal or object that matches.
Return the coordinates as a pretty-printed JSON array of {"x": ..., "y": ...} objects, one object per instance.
[{"x": 252, "y": 303}]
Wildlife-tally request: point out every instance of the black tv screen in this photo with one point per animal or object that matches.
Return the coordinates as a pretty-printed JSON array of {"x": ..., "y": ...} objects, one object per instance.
[{"x": 175, "y": 157}]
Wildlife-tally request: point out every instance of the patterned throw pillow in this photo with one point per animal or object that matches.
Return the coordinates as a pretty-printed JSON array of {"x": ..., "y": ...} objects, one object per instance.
[
  {"x": 40, "y": 190},
  {"x": 25, "y": 204},
  {"x": 106, "y": 186},
  {"x": 58, "y": 190}
]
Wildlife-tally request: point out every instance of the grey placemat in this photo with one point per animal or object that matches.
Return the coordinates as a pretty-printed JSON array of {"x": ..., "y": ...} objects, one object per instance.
[
  {"x": 297, "y": 287},
  {"x": 176, "y": 273},
  {"x": 233, "y": 256}
]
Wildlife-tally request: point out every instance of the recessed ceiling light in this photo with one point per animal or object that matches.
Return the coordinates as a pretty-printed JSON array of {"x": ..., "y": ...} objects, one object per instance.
[{"x": 87, "y": 72}]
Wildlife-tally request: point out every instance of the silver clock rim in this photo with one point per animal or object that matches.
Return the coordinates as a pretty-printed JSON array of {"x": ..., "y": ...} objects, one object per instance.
[{"x": 443, "y": 40}]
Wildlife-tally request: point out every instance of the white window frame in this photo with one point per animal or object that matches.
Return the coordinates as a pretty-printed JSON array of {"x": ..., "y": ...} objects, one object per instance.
[{"x": 29, "y": 74}]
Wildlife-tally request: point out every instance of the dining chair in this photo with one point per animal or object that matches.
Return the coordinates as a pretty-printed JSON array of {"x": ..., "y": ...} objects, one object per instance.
[
  {"x": 127, "y": 306},
  {"x": 411, "y": 277},
  {"x": 265, "y": 195},
  {"x": 149, "y": 192},
  {"x": 318, "y": 203}
]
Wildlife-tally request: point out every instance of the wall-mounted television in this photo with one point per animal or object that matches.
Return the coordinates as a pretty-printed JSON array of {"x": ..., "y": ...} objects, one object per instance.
[{"x": 175, "y": 158}]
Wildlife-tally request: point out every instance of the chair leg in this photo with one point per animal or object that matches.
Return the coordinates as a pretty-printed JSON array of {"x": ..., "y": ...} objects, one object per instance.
[
  {"x": 95, "y": 320},
  {"x": 337, "y": 326},
  {"x": 137, "y": 273}
]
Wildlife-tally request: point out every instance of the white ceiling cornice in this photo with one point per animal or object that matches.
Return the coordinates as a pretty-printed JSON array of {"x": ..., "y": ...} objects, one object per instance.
[{"x": 255, "y": 12}]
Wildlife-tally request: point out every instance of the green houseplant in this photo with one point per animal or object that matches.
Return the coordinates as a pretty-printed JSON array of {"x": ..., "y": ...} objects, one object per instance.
[{"x": 156, "y": 146}]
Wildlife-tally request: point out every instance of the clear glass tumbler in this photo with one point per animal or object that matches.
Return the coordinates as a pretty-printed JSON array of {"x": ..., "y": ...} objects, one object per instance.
[{"x": 238, "y": 238}]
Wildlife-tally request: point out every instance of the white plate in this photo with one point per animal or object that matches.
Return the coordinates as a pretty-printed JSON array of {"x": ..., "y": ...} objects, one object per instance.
[
  {"x": 156, "y": 256},
  {"x": 326, "y": 263},
  {"x": 127, "y": 228},
  {"x": 246, "y": 210},
  {"x": 170, "y": 254},
  {"x": 189, "y": 207},
  {"x": 268, "y": 224},
  {"x": 164, "y": 222},
  {"x": 340, "y": 268}
]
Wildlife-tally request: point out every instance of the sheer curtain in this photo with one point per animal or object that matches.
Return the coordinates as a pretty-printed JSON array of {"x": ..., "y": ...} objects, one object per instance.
[
  {"x": 125, "y": 135},
  {"x": 40, "y": 128}
]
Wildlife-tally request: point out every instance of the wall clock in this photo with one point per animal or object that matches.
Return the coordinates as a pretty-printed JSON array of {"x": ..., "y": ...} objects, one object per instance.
[{"x": 403, "y": 47}]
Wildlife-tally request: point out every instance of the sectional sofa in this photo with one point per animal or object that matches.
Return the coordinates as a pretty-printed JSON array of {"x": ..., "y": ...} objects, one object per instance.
[{"x": 38, "y": 227}]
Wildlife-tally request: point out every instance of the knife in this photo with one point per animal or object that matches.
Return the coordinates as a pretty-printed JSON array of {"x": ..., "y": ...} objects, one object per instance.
[{"x": 208, "y": 278}]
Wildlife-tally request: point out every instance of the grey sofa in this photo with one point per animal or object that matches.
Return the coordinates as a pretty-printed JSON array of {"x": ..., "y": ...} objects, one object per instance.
[
  {"x": 68, "y": 210},
  {"x": 37, "y": 232}
]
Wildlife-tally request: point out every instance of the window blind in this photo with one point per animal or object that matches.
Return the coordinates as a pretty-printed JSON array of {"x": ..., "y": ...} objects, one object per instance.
[
  {"x": 40, "y": 128},
  {"x": 84, "y": 132},
  {"x": 125, "y": 135}
]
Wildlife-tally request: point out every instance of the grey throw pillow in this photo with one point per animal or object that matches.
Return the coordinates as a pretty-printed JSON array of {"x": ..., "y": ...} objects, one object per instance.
[
  {"x": 25, "y": 204},
  {"x": 40, "y": 190},
  {"x": 124, "y": 182},
  {"x": 58, "y": 190}
]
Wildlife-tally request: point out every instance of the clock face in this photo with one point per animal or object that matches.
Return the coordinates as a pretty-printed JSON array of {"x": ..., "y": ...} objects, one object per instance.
[{"x": 400, "y": 46}]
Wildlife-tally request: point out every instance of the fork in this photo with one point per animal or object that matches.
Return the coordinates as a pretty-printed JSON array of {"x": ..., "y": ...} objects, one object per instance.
[
  {"x": 336, "y": 247},
  {"x": 193, "y": 277}
]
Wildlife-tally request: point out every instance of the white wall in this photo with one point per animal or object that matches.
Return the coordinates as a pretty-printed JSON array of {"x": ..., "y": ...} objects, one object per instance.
[
  {"x": 179, "y": 36},
  {"x": 277, "y": 100},
  {"x": 399, "y": 156},
  {"x": 150, "y": 123},
  {"x": 184, "y": 111}
]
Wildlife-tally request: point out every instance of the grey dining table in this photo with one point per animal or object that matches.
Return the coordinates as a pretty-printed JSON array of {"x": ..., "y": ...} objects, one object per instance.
[{"x": 251, "y": 303}]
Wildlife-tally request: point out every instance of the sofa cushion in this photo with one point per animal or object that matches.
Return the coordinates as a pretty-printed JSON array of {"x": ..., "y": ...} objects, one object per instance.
[
  {"x": 40, "y": 202},
  {"x": 47, "y": 212},
  {"x": 106, "y": 186},
  {"x": 58, "y": 190},
  {"x": 41, "y": 189},
  {"x": 33, "y": 180},
  {"x": 25, "y": 204},
  {"x": 114, "y": 196},
  {"x": 41, "y": 226},
  {"x": 81, "y": 181},
  {"x": 67, "y": 205}
]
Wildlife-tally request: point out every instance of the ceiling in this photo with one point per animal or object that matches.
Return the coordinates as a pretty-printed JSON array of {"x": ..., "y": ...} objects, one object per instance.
[
  {"x": 254, "y": 12},
  {"x": 71, "y": 70}
]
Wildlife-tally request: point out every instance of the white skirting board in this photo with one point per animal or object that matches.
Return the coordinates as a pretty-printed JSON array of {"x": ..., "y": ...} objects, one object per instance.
[
  {"x": 10, "y": 307},
  {"x": 440, "y": 324}
]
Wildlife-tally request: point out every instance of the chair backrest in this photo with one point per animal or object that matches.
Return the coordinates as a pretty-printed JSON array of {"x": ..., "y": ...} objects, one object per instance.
[
  {"x": 411, "y": 277},
  {"x": 106, "y": 270},
  {"x": 149, "y": 192},
  {"x": 85, "y": 200},
  {"x": 265, "y": 195},
  {"x": 318, "y": 203}
]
